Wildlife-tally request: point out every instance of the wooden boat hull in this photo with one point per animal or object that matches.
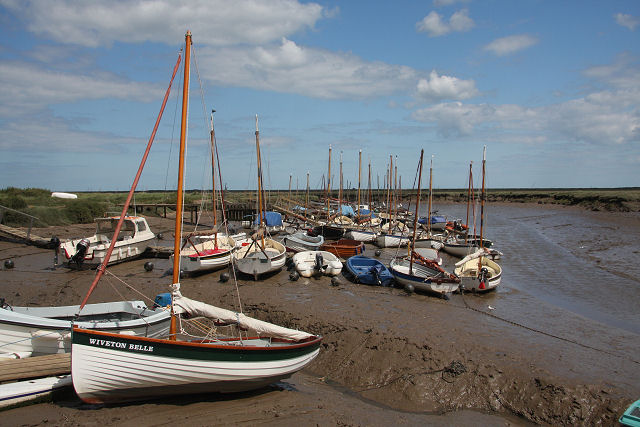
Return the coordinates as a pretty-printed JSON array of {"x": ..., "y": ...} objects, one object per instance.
[
  {"x": 344, "y": 248},
  {"x": 305, "y": 263},
  {"x": 27, "y": 331},
  {"x": 114, "y": 368},
  {"x": 423, "y": 278},
  {"x": 470, "y": 279},
  {"x": 368, "y": 271}
]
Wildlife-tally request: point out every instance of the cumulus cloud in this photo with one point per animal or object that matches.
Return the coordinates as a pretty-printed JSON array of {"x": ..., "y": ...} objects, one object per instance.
[
  {"x": 213, "y": 22},
  {"x": 442, "y": 3},
  {"x": 603, "y": 117},
  {"x": 436, "y": 26},
  {"x": 290, "y": 68},
  {"x": 510, "y": 44},
  {"x": 438, "y": 88},
  {"x": 629, "y": 21}
]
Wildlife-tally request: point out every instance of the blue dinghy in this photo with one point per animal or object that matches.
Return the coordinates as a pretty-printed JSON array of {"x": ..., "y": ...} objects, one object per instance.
[
  {"x": 369, "y": 271},
  {"x": 631, "y": 416}
]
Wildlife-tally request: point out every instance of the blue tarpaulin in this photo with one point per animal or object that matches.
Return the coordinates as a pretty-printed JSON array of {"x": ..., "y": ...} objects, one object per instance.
[
  {"x": 272, "y": 219},
  {"x": 348, "y": 210}
]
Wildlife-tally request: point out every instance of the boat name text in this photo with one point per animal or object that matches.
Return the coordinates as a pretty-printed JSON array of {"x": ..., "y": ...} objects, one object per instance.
[{"x": 122, "y": 345}]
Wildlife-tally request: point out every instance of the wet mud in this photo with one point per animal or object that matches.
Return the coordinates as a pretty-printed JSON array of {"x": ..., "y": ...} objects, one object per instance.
[{"x": 557, "y": 343}]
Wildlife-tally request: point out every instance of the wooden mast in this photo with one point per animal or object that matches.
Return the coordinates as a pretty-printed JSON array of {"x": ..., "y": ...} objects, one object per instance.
[
  {"x": 260, "y": 201},
  {"x": 430, "y": 194},
  {"x": 359, "y": 173},
  {"x": 370, "y": 206},
  {"x": 415, "y": 218},
  {"x": 339, "y": 214},
  {"x": 180, "y": 190},
  {"x": 390, "y": 180},
  {"x": 482, "y": 197},
  {"x": 329, "y": 187},
  {"x": 306, "y": 201},
  {"x": 213, "y": 178},
  {"x": 466, "y": 236}
]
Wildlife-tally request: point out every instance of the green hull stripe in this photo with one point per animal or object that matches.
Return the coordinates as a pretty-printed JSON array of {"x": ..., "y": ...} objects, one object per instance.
[{"x": 176, "y": 350}]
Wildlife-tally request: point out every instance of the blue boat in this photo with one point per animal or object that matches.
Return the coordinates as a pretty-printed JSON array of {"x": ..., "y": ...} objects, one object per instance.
[
  {"x": 438, "y": 222},
  {"x": 369, "y": 271},
  {"x": 631, "y": 416}
]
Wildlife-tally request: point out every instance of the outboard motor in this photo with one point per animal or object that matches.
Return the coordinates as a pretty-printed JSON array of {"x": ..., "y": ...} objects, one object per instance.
[
  {"x": 376, "y": 275},
  {"x": 319, "y": 260},
  {"x": 81, "y": 250},
  {"x": 54, "y": 243},
  {"x": 483, "y": 277}
]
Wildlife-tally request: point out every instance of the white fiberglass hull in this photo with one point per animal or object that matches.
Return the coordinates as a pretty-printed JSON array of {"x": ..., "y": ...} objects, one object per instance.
[
  {"x": 361, "y": 235},
  {"x": 255, "y": 260},
  {"x": 422, "y": 278},
  {"x": 110, "y": 368},
  {"x": 207, "y": 255},
  {"x": 305, "y": 263},
  {"x": 32, "y": 331},
  {"x": 24, "y": 391},
  {"x": 471, "y": 279},
  {"x": 391, "y": 241}
]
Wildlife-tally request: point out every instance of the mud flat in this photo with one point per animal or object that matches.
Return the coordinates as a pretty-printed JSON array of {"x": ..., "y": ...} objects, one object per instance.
[{"x": 558, "y": 343}]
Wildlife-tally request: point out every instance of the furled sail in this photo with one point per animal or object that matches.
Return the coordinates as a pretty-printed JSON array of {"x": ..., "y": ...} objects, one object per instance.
[{"x": 182, "y": 305}]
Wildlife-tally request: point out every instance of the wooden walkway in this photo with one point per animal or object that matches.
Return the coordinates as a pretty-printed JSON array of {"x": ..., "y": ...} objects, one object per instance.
[
  {"x": 28, "y": 237},
  {"x": 35, "y": 367}
]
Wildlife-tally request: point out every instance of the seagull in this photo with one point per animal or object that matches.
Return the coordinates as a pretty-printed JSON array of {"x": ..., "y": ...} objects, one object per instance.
[{"x": 490, "y": 308}]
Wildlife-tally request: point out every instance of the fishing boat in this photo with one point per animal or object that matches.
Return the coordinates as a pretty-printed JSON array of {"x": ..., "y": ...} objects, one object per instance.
[
  {"x": 263, "y": 254},
  {"x": 302, "y": 241},
  {"x": 477, "y": 272},
  {"x": 368, "y": 271},
  {"x": 132, "y": 240},
  {"x": 344, "y": 248},
  {"x": 310, "y": 263},
  {"x": 417, "y": 273},
  {"x": 34, "y": 331},
  {"x": 108, "y": 367}
]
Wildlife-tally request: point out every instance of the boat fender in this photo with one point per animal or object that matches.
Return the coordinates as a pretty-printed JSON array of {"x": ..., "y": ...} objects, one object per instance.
[{"x": 409, "y": 288}]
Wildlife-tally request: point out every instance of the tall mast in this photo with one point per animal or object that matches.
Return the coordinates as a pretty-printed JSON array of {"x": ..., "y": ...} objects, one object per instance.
[
  {"x": 340, "y": 191},
  {"x": 306, "y": 201},
  {"x": 259, "y": 163},
  {"x": 389, "y": 179},
  {"x": 183, "y": 140},
  {"x": 466, "y": 236},
  {"x": 415, "y": 217},
  {"x": 395, "y": 191},
  {"x": 359, "y": 173},
  {"x": 430, "y": 194},
  {"x": 482, "y": 196},
  {"x": 329, "y": 186},
  {"x": 213, "y": 178},
  {"x": 370, "y": 206}
]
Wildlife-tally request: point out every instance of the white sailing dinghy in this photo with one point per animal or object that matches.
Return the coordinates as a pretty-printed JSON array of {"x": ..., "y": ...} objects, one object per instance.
[
  {"x": 114, "y": 367},
  {"x": 263, "y": 254},
  {"x": 308, "y": 263}
]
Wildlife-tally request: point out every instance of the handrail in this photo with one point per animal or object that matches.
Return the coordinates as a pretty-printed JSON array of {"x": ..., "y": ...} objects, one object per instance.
[{"x": 19, "y": 212}]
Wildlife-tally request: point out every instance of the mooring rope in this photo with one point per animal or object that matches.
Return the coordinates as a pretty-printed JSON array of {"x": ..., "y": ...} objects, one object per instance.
[{"x": 548, "y": 334}]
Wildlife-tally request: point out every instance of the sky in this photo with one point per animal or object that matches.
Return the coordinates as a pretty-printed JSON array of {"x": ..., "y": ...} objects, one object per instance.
[{"x": 552, "y": 89}]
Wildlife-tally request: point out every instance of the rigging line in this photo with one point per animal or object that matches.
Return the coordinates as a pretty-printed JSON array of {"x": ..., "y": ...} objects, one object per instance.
[
  {"x": 131, "y": 288},
  {"x": 173, "y": 130}
]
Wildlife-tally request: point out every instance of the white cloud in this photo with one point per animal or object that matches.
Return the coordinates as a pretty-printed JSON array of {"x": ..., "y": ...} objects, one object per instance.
[
  {"x": 603, "y": 117},
  {"x": 510, "y": 44},
  {"x": 435, "y": 26},
  {"x": 438, "y": 88},
  {"x": 213, "y": 22},
  {"x": 629, "y": 21},
  {"x": 291, "y": 68},
  {"x": 442, "y": 3},
  {"x": 28, "y": 88}
]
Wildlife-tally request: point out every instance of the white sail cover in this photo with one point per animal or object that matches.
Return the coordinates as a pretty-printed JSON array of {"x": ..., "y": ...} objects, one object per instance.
[{"x": 196, "y": 308}]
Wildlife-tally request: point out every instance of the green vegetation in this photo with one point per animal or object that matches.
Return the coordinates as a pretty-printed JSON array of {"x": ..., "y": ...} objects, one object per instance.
[{"x": 53, "y": 211}]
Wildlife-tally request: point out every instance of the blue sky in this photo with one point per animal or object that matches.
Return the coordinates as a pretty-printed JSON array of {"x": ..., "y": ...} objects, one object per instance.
[{"x": 551, "y": 88}]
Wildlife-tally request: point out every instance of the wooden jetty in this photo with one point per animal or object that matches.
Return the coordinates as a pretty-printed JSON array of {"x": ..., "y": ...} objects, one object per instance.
[
  {"x": 35, "y": 367},
  {"x": 26, "y": 236}
]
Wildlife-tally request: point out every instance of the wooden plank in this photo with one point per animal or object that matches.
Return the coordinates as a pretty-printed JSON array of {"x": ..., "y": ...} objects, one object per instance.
[
  {"x": 19, "y": 234},
  {"x": 35, "y": 367}
]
